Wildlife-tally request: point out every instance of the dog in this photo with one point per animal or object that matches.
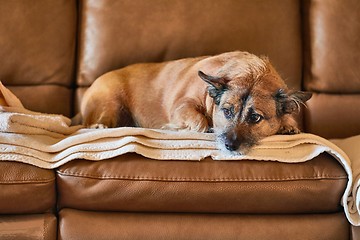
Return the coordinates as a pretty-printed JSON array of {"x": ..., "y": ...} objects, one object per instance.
[{"x": 237, "y": 95}]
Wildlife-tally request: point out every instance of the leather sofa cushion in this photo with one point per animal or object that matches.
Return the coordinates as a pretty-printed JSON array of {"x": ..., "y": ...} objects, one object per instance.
[
  {"x": 38, "y": 48},
  {"x": 332, "y": 60},
  {"x": 134, "y": 183},
  {"x": 26, "y": 189},
  {"x": 332, "y": 46},
  {"x": 333, "y": 116},
  {"x": 93, "y": 225},
  {"x": 38, "y": 42},
  {"x": 45, "y": 98},
  {"x": 30, "y": 227}
]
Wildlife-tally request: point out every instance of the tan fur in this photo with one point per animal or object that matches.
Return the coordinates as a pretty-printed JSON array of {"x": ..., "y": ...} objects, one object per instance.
[{"x": 175, "y": 95}]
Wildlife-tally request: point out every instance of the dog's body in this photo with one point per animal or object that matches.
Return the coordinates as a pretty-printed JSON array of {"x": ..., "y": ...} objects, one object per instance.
[{"x": 238, "y": 95}]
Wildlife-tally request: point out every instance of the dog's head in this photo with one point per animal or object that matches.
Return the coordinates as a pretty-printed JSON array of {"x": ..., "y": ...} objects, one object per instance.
[{"x": 251, "y": 102}]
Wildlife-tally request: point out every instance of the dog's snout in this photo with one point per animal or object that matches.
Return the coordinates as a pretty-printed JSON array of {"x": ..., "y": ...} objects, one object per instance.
[
  {"x": 232, "y": 141},
  {"x": 231, "y": 146}
]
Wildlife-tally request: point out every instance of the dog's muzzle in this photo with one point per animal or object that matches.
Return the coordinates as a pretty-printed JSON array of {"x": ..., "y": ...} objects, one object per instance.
[{"x": 231, "y": 141}]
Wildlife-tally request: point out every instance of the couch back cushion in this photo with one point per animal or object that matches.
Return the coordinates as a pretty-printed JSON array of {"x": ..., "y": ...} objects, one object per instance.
[
  {"x": 38, "y": 48},
  {"x": 116, "y": 33},
  {"x": 332, "y": 67}
]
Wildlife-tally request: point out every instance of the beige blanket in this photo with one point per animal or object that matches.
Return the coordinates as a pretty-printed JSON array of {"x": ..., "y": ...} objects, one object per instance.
[{"x": 48, "y": 141}]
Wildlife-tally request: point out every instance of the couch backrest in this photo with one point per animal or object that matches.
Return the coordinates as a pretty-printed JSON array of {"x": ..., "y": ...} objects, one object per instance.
[
  {"x": 53, "y": 50},
  {"x": 332, "y": 66},
  {"x": 37, "y": 47}
]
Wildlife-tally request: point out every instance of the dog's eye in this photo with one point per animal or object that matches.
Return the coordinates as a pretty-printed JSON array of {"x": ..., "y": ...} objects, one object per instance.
[
  {"x": 227, "y": 113},
  {"x": 255, "y": 118}
]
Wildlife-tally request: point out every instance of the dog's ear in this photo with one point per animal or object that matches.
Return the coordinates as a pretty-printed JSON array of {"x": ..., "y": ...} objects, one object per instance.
[
  {"x": 217, "y": 82},
  {"x": 217, "y": 85},
  {"x": 290, "y": 102}
]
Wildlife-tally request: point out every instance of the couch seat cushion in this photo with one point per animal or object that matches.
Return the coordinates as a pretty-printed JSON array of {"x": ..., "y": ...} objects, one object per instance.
[
  {"x": 26, "y": 189},
  {"x": 135, "y": 183},
  {"x": 188, "y": 226},
  {"x": 28, "y": 227}
]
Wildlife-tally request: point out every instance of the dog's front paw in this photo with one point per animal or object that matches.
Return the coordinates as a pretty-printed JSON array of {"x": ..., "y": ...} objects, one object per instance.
[
  {"x": 98, "y": 126},
  {"x": 288, "y": 130},
  {"x": 197, "y": 125},
  {"x": 171, "y": 127}
]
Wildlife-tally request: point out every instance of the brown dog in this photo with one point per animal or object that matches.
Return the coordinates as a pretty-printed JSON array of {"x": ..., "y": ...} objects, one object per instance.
[{"x": 237, "y": 95}]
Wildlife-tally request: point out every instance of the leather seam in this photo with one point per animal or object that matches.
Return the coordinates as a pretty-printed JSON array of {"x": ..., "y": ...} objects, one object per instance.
[
  {"x": 32, "y": 181},
  {"x": 127, "y": 177}
]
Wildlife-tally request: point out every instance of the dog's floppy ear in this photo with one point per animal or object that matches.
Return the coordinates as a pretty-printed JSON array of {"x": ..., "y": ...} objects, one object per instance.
[
  {"x": 290, "y": 102},
  {"x": 216, "y": 82},
  {"x": 217, "y": 85}
]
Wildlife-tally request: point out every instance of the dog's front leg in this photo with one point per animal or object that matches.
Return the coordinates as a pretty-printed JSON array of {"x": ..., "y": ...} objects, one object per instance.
[{"x": 187, "y": 114}]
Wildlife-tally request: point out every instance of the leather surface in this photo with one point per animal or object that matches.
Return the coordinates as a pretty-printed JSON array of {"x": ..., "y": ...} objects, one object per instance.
[
  {"x": 45, "y": 98},
  {"x": 79, "y": 93},
  {"x": 29, "y": 227},
  {"x": 37, "y": 42},
  {"x": 26, "y": 189},
  {"x": 134, "y": 183},
  {"x": 355, "y": 233},
  {"x": 38, "y": 48},
  {"x": 332, "y": 46},
  {"x": 333, "y": 116},
  {"x": 81, "y": 225},
  {"x": 115, "y": 33}
]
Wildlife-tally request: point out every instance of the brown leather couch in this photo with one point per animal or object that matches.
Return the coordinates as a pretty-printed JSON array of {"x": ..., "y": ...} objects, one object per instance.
[{"x": 52, "y": 50}]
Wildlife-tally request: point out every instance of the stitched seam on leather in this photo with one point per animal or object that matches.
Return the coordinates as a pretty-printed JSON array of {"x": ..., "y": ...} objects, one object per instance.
[
  {"x": 125, "y": 177},
  {"x": 32, "y": 181}
]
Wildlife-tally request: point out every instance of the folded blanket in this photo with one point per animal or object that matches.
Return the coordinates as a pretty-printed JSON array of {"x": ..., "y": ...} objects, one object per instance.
[
  {"x": 14, "y": 118},
  {"x": 351, "y": 197},
  {"x": 48, "y": 141}
]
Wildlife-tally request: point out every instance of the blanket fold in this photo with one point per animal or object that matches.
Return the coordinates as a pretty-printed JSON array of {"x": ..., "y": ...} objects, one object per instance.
[
  {"x": 14, "y": 118},
  {"x": 48, "y": 141}
]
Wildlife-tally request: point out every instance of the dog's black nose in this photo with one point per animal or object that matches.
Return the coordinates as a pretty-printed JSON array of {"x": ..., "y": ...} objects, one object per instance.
[
  {"x": 232, "y": 142},
  {"x": 231, "y": 146}
]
